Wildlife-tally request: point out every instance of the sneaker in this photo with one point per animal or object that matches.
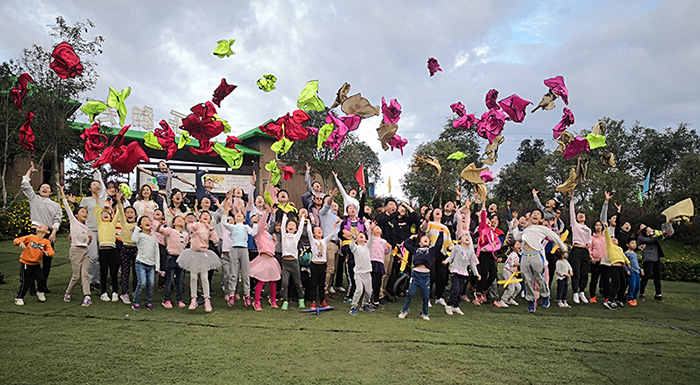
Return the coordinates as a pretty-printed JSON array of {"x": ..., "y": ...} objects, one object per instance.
[
  {"x": 313, "y": 305},
  {"x": 125, "y": 298},
  {"x": 531, "y": 306},
  {"x": 632, "y": 302},
  {"x": 576, "y": 300},
  {"x": 105, "y": 297},
  {"x": 560, "y": 304},
  {"x": 425, "y": 317},
  {"x": 193, "y": 304},
  {"x": 659, "y": 297},
  {"x": 366, "y": 308},
  {"x": 303, "y": 305},
  {"x": 512, "y": 302},
  {"x": 593, "y": 300},
  {"x": 347, "y": 300},
  {"x": 86, "y": 301},
  {"x": 441, "y": 301},
  {"x": 246, "y": 301},
  {"x": 285, "y": 305},
  {"x": 342, "y": 289},
  {"x": 403, "y": 314},
  {"x": 353, "y": 310},
  {"x": 19, "y": 301},
  {"x": 501, "y": 304},
  {"x": 476, "y": 302},
  {"x": 207, "y": 305},
  {"x": 136, "y": 306},
  {"x": 115, "y": 297},
  {"x": 67, "y": 298},
  {"x": 641, "y": 297},
  {"x": 377, "y": 305},
  {"x": 323, "y": 303},
  {"x": 256, "y": 306},
  {"x": 566, "y": 304},
  {"x": 545, "y": 303},
  {"x": 448, "y": 310},
  {"x": 457, "y": 310},
  {"x": 582, "y": 297},
  {"x": 331, "y": 290},
  {"x": 430, "y": 304},
  {"x": 465, "y": 298},
  {"x": 167, "y": 304},
  {"x": 181, "y": 304},
  {"x": 273, "y": 304},
  {"x": 609, "y": 305},
  {"x": 619, "y": 304},
  {"x": 522, "y": 294},
  {"x": 149, "y": 306},
  {"x": 40, "y": 296}
]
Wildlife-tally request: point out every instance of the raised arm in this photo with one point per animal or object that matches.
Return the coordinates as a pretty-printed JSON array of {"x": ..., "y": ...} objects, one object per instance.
[
  {"x": 145, "y": 171},
  {"x": 604, "y": 209},
  {"x": 346, "y": 198},
  {"x": 307, "y": 179},
  {"x": 199, "y": 186},
  {"x": 26, "y": 184},
  {"x": 97, "y": 175},
  {"x": 537, "y": 199}
]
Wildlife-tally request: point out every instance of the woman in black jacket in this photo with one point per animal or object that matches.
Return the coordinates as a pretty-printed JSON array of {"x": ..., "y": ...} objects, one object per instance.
[{"x": 648, "y": 240}]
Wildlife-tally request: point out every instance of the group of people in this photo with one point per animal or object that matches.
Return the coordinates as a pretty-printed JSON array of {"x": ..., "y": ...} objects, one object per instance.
[{"x": 368, "y": 255}]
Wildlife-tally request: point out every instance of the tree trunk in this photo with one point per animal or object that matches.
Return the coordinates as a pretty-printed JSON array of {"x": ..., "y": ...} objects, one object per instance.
[
  {"x": 55, "y": 165},
  {"x": 4, "y": 163}
]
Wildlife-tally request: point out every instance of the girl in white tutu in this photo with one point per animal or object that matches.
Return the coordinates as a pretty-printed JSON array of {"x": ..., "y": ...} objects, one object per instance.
[
  {"x": 198, "y": 259},
  {"x": 265, "y": 267}
]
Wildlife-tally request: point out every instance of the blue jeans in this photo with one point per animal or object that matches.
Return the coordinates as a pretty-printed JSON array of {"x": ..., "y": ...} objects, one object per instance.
[
  {"x": 422, "y": 281},
  {"x": 144, "y": 274},
  {"x": 633, "y": 289},
  {"x": 173, "y": 271}
]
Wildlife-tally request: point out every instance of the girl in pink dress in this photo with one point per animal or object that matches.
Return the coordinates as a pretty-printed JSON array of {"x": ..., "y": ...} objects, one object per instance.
[
  {"x": 265, "y": 267},
  {"x": 198, "y": 259}
]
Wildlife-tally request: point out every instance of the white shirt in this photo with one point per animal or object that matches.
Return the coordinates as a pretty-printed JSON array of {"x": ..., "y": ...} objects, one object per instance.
[{"x": 290, "y": 242}]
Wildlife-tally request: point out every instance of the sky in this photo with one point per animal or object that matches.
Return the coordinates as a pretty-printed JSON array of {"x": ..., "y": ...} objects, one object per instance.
[{"x": 631, "y": 60}]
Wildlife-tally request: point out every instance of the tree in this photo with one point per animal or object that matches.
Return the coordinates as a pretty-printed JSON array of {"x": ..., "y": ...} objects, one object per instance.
[
  {"x": 423, "y": 184},
  {"x": 323, "y": 162},
  {"x": 11, "y": 119}
]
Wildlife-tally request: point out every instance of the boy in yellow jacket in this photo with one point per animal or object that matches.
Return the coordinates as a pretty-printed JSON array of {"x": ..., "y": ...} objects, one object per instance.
[{"x": 35, "y": 248}]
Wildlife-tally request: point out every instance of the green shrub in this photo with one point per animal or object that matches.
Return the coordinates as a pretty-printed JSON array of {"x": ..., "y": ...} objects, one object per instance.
[
  {"x": 16, "y": 221},
  {"x": 685, "y": 269}
]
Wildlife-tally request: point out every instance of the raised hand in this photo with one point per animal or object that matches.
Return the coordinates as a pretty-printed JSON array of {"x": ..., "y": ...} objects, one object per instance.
[
  {"x": 535, "y": 192},
  {"x": 618, "y": 207},
  {"x": 608, "y": 196},
  {"x": 308, "y": 168}
]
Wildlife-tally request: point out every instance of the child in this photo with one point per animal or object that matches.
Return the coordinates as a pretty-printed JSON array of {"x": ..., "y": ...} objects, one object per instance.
[
  {"x": 633, "y": 272},
  {"x": 563, "y": 271},
  {"x": 319, "y": 259},
  {"x": 422, "y": 261},
  {"x": 509, "y": 267},
  {"x": 107, "y": 239},
  {"x": 198, "y": 259},
  {"x": 239, "y": 263},
  {"x": 360, "y": 248},
  {"x": 35, "y": 248},
  {"x": 461, "y": 258},
  {"x": 265, "y": 267},
  {"x": 618, "y": 262},
  {"x": 176, "y": 241},
  {"x": 127, "y": 253},
  {"x": 79, "y": 254},
  {"x": 157, "y": 220},
  {"x": 379, "y": 249},
  {"x": 290, "y": 258},
  {"x": 147, "y": 262}
]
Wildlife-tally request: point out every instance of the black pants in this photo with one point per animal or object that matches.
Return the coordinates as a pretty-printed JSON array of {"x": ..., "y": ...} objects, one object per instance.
[
  {"x": 305, "y": 277},
  {"x": 46, "y": 269},
  {"x": 350, "y": 271},
  {"x": 459, "y": 284},
  {"x": 652, "y": 268},
  {"x": 552, "y": 265},
  {"x": 339, "y": 269},
  {"x": 376, "y": 285},
  {"x": 27, "y": 275},
  {"x": 562, "y": 288},
  {"x": 109, "y": 260},
  {"x": 580, "y": 261},
  {"x": 595, "y": 275},
  {"x": 619, "y": 277},
  {"x": 488, "y": 270},
  {"x": 438, "y": 275},
  {"x": 607, "y": 282},
  {"x": 318, "y": 281}
]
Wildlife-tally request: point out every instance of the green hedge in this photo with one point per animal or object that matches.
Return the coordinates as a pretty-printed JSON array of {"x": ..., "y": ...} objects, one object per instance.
[
  {"x": 681, "y": 269},
  {"x": 15, "y": 222}
]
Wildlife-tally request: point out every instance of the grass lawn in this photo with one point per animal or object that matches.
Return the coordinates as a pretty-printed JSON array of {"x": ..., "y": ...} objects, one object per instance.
[{"x": 57, "y": 342}]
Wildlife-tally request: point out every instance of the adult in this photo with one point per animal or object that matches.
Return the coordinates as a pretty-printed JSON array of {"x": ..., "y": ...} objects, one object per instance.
[
  {"x": 652, "y": 252},
  {"x": 403, "y": 226},
  {"x": 598, "y": 254},
  {"x": 580, "y": 256},
  {"x": 548, "y": 209},
  {"x": 204, "y": 189},
  {"x": 176, "y": 207},
  {"x": 42, "y": 211},
  {"x": 145, "y": 202},
  {"x": 487, "y": 246},
  {"x": 348, "y": 199},
  {"x": 313, "y": 189},
  {"x": 97, "y": 197},
  {"x": 386, "y": 219}
]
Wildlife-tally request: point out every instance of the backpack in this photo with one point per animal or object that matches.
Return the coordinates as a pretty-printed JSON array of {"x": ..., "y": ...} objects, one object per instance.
[{"x": 305, "y": 257}]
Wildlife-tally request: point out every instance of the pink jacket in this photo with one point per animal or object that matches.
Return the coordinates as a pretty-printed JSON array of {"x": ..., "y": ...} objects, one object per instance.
[
  {"x": 488, "y": 239},
  {"x": 200, "y": 234},
  {"x": 263, "y": 239},
  {"x": 598, "y": 250},
  {"x": 379, "y": 248}
]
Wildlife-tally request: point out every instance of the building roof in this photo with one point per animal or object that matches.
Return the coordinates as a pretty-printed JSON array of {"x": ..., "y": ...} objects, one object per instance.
[
  {"x": 138, "y": 136},
  {"x": 254, "y": 132}
]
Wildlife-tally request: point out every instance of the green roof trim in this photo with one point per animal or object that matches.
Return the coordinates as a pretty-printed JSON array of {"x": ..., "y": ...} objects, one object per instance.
[
  {"x": 138, "y": 135},
  {"x": 255, "y": 132}
]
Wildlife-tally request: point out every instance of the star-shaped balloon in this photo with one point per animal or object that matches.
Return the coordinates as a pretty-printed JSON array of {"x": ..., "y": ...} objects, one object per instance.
[
  {"x": 308, "y": 99},
  {"x": 223, "y": 48},
  {"x": 117, "y": 100}
]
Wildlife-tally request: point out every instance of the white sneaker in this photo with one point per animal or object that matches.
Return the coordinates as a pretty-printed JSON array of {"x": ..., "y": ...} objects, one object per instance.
[
  {"x": 41, "y": 296},
  {"x": 441, "y": 301},
  {"x": 457, "y": 310},
  {"x": 522, "y": 294},
  {"x": 430, "y": 304},
  {"x": 582, "y": 297},
  {"x": 576, "y": 298},
  {"x": 512, "y": 302},
  {"x": 403, "y": 314},
  {"x": 560, "y": 304},
  {"x": 502, "y": 304},
  {"x": 331, "y": 290},
  {"x": 425, "y": 317},
  {"x": 19, "y": 301},
  {"x": 105, "y": 297},
  {"x": 115, "y": 297},
  {"x": 448, "y": 310},
  {"x": 566, "y": 304},
  {"x": 341, "y": 289}
]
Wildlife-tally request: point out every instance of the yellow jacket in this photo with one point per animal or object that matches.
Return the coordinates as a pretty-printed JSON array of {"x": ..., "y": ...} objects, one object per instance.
[
  {"x": 106, "y": 231},
  {"x": 615, "y": 252}
]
